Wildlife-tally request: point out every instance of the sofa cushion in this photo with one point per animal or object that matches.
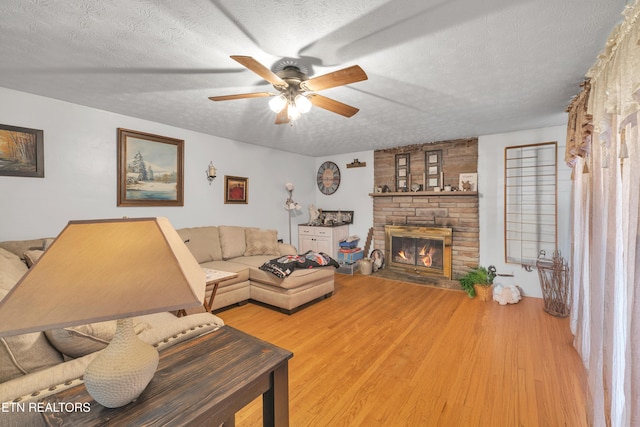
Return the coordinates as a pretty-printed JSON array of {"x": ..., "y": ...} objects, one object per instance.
[
  {"x": 261, "y": 242},
  {"x": 78, "y": 341},
  {"x": 203, "y": 242},
  {"x": 301, "y": 277},
  {"x": 286, "y": 249},
  {"x": 11, "y": 270},
  {"x": 232, "y": 241},
  {"x": 23, "y": 354},
  {"x": 19, "y": 247},
  {"x": 31, "y": 256}
]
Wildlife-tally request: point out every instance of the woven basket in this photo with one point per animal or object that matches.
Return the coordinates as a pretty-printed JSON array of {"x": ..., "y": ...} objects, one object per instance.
[{"x": 483, "y": 292}]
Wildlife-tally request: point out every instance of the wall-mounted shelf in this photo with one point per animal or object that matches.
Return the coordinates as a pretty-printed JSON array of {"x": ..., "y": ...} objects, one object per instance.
[{"x": 424, "y": 193}]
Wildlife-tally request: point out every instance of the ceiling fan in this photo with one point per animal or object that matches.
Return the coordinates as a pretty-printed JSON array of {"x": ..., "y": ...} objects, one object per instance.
[{"x": 297, "y": 92}]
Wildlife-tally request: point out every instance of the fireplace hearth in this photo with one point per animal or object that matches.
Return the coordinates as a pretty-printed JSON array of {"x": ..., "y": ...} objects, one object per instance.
[{"x": 419, "y": 250}]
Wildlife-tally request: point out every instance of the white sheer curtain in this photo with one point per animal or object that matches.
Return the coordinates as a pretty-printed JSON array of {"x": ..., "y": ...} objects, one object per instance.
[{"x": 605, "y": 318}]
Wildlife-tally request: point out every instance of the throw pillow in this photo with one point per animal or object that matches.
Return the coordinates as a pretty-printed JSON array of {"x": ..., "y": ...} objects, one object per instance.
[
  {"x": 261, "y": 242},
  {"x": 78, "y": 341},
  {"x": 47, "y": 243},
  {"x": 203, "y": 242},
  {"x": 232, "y": 241},
  {"x": 11, "y": 270},
  {"x": 31, "y": 256},
  {"x": 23, "y": 354}
]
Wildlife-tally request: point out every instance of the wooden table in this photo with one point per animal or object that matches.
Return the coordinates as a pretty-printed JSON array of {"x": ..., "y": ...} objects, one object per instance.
[
  {"x": 200, "y": 382},
  {"x": 214, "y": 277}
]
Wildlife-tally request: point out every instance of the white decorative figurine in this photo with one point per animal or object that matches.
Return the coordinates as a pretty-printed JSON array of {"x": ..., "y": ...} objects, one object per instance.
[{"x": 313, "y": 214}]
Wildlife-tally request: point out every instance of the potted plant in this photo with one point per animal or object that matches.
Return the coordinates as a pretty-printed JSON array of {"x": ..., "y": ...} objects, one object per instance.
[{"x": 478, "y": 281}]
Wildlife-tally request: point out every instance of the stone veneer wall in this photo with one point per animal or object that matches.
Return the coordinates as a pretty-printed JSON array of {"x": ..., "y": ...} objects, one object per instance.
[{"x": 456, "y": 210}]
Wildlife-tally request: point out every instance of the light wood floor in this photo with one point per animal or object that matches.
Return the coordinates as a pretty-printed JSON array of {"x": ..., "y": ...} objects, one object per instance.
[{"x": 382, "y": 352}]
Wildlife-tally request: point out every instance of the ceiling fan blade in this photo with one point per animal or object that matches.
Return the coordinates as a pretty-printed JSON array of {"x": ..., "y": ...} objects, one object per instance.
[
  {"x": 332, "y": 105},
  {"x": 337, "y": 78},
  {"x": 259, "y": 69},
  {"x": 240, "y": 96},
  {"x": 283, "y": 116}
]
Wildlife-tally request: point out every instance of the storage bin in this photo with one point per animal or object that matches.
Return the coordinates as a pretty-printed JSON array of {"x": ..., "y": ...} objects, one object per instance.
[{"x": 350, "y": 257}]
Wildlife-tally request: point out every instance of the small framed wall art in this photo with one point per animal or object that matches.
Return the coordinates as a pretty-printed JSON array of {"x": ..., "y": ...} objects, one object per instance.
[
  {"x": 433, "y": 169},
  {"x": 468, "y": 182},
  {"x": 402, "y": 171},
  {"x": 21, "y": 151},
  {"x": 236, "y": 190},
  {"x": 150, "y": 169}
]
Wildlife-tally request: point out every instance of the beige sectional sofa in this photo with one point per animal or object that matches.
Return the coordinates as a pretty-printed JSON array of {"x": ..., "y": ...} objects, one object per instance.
[
  {"x": 38, "y": 364},
  {"x": 243, "y": 250},
  {"x": 41, "y": 363}
]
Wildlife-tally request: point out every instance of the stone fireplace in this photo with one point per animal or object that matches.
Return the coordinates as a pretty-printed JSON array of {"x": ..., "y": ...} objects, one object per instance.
[
  {"x": 454, "y": 211},
  {"x": 419, "y": 250}
]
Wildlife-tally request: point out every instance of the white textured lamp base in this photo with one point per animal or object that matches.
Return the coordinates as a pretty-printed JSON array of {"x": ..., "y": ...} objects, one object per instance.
[{"x": 122, "y": 370}]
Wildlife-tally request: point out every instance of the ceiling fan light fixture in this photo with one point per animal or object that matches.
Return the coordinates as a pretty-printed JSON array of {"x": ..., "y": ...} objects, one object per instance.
[
  {"x": 276, "y": 104},
  {"x": 302, "y": 104},
  {"x": 298, "y": 92},
  {"x": 293, "y": 113}
]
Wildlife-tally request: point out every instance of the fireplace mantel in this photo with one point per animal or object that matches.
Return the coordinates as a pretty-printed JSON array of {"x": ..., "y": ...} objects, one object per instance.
[{"x": 424, "y": 193}]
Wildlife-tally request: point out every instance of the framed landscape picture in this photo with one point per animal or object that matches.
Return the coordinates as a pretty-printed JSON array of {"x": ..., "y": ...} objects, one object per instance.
[
  {"x": 150, "y": 169},
  {"x": 21, "y": 152},
  {"x": 236, "y": 190}
]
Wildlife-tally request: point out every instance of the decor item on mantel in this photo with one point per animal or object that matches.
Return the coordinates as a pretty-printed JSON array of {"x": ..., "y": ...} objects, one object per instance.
[
  {"x": 119, "y": 268},
  {"x": 478, "y": 281},
  {"x": 290, "y": 205},
  {"x": 356, "y": 164},
  {"x": 468, "y": 182}
]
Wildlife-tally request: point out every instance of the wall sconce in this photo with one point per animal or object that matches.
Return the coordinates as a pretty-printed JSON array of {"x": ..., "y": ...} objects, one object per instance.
[{"x": 211, "y": 172}]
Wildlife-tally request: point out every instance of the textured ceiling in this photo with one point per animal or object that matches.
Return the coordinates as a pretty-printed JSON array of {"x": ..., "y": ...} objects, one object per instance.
[{"x": 438, "y": 69}]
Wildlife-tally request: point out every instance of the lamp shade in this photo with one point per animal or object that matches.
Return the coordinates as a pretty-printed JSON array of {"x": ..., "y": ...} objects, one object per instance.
[{"x": 102, "y": 270}]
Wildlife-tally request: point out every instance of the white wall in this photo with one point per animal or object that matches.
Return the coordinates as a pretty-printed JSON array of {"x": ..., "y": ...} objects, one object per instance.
[
  {"x": 80, "y": 147},
  {"x": 353, "y": 193},
  {"x": 491, "y": 188}
]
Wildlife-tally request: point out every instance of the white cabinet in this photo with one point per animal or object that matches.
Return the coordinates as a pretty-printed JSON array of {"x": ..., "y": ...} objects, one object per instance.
[{"x": 321, "y": 239}]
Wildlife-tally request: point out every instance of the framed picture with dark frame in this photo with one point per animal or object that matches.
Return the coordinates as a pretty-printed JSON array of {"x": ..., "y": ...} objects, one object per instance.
[
  {"x": 236, "y": 190},
  {"x": 21, "y": 151},
  {"x": 433, "y": 169},
  {"x": 150, "y": 169},
  {"x": 402, "y": 171}
]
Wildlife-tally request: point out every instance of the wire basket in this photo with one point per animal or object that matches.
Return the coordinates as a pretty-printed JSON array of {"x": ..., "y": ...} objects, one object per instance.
[{"x": 554, "y": 280}]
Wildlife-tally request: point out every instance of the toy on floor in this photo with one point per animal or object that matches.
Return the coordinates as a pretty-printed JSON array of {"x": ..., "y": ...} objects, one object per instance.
[{"x": 506, "y": 294}]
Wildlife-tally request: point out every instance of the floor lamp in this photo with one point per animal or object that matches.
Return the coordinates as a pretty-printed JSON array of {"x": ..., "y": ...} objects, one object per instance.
[{"x": 290, "y": 205}]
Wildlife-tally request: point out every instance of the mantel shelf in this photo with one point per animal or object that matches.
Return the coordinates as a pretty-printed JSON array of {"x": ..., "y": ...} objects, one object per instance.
[{"x": 424, "y": 193}]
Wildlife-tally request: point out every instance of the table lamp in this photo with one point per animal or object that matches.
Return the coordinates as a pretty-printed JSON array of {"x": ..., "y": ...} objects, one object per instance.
[{"x": 102, "y": 270}]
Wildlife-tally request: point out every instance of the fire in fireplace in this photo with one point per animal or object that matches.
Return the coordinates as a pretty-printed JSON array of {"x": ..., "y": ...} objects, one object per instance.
[{"x": 422, "y": 250}]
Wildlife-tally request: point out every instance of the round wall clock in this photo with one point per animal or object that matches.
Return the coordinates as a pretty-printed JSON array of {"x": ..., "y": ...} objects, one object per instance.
[{"x": 328, "y": 178}]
